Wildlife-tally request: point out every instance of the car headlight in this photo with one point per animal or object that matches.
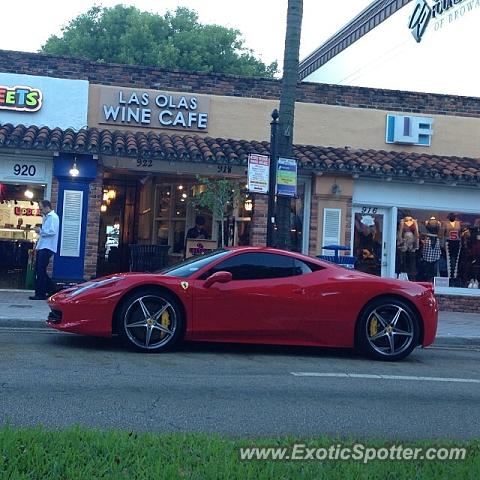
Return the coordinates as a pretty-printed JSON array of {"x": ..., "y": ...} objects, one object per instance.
[{"x": 90, "y": 285}]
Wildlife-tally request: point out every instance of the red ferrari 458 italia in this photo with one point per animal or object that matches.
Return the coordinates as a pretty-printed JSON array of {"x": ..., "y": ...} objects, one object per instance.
[{"x": 253, "y": 295}]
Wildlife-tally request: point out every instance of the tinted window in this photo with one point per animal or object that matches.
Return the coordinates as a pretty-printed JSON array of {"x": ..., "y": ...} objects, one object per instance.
[
  {"x": 301, "y": 268},
  {"x": 193, "y": 264},
  {"x": 254, "y": 266}
]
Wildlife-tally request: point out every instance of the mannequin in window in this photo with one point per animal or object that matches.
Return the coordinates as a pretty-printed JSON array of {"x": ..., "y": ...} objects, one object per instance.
[
  {"x": 408, "y": 242},
  {"x": 472, "y": 244},
  {"x": 451, "y": 232},
  {"x": 431, "y": 251}
]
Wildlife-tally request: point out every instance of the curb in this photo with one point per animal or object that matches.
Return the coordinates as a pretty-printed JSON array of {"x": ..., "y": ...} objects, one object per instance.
[
  {"x": 9, "y": 323},
  {"x": 456, "y": 342}
]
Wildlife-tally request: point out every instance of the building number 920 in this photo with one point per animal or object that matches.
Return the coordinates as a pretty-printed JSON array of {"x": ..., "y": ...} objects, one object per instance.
[{"x": 24, "y": 170}]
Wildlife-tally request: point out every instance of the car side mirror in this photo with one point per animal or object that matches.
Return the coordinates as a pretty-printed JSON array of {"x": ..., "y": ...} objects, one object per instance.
[{"x": 218, "y": 277}]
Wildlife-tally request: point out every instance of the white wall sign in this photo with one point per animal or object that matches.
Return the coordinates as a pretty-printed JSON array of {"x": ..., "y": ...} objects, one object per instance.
[
  {"x": 409, "y": 130},
  {"x": 43, "y": 101},
  {"x": 258, "y": 173},
  {"x": 71, "y": 223},
  {"x": 22, "y": 169}
]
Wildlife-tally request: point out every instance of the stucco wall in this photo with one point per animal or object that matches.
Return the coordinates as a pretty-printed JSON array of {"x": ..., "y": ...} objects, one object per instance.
[{"x": 317, "y": 124}]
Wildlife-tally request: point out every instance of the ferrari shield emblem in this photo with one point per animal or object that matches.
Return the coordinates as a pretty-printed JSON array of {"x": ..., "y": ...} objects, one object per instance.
[{"x": 184, "y": 285}]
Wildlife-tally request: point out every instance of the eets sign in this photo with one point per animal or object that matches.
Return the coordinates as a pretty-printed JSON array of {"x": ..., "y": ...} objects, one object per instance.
[
  {"x": 20, "y": 99},
  {"x": 43, "y": 101},
  {"x": 154, "y": 109}
]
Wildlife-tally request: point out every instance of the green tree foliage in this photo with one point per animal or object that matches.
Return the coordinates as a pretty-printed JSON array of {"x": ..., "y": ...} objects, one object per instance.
[{"x": 177, "y": 40}]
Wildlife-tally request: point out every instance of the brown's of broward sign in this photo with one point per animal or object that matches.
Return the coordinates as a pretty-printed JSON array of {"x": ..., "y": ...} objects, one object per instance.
[{"x": 154, "y": 109}]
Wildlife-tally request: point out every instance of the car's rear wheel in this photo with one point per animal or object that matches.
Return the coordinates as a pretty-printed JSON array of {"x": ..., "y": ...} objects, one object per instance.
[
  {"x": 388, "y": 329},
  {"x": 150, "y": 320}
]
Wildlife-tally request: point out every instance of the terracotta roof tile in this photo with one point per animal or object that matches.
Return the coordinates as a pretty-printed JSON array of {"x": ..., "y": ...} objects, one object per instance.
[{"x": 193, "y": 148}]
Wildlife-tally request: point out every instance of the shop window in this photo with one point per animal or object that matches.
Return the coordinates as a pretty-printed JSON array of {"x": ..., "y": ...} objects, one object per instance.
[
  {"x": 367, "y": 241},
  {"x": 174, "y": 212},
  {"x": 438, "y": 246},
  {"x": 19, "y": 215}
]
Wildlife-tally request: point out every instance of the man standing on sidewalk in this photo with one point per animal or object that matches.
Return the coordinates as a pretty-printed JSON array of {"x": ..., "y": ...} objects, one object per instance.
[{"x": 46, "y": 247}]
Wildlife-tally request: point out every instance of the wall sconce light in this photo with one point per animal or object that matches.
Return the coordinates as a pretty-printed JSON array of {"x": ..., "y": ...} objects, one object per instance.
[
  {"x": 28, "y": 193},
  {"x": 103, "y": 208},
  {"x": 336, "y": 190},
  {"x": 111, "y": 194},
  {"x": 248, "y": 205},
  {"x": 74, "y": 171}
]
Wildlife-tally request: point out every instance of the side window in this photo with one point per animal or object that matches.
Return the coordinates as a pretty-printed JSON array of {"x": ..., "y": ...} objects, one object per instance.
[
  {"x": 301, "y": 268},
  {"x": 255, "y": 266}
]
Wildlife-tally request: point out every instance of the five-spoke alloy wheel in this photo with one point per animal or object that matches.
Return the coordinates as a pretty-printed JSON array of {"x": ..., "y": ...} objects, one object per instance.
[
  {"x": 388, "y": 329},
  {"x": 149, "y": 320}
]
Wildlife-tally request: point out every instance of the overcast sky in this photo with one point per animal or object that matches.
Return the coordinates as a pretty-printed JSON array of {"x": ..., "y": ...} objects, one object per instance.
[{"x": 388, "y": 57}]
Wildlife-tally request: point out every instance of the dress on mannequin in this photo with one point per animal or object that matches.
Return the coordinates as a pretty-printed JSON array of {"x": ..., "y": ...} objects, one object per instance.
[
  {"x": 453, "y": 246},
  {"x": 408, "y": 241},
  {"x": 473, "y": 248},
  {"x": 431, "y": 251}
]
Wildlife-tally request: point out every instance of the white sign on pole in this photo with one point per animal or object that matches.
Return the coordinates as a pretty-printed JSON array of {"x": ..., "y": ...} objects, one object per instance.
[{"x": 258, "y": 173}]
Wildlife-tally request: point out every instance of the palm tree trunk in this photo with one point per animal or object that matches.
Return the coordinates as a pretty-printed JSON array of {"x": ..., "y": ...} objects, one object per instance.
[{"x": 287, "y": 110}]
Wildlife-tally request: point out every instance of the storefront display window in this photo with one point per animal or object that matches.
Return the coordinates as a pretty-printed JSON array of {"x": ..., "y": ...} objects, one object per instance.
[
  {"x": 174, "y": 213},
  {"x": 19, "y": 215},
  {"x": 367, "y": 243},
  {"x": 433, "y": 245}
]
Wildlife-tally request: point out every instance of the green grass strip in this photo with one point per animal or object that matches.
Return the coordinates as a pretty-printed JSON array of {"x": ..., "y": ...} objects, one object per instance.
[{"x": 78, "y": 453}]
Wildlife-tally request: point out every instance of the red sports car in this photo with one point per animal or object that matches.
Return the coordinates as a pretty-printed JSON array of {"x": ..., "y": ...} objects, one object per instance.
[{"x": 253, "y": 295}]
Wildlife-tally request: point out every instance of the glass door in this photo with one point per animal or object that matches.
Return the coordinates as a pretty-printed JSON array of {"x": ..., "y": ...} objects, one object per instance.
[{"x": 370, "y": 240}]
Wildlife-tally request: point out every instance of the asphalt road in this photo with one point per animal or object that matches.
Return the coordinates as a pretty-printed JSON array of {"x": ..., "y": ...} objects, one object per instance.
[{"x": 57, "y": 380}]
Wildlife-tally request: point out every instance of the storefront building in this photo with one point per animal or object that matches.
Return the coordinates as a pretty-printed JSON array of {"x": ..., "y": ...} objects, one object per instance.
[
  {"x": 151, "y": 133},
  {"x": 29, "y": 174}
]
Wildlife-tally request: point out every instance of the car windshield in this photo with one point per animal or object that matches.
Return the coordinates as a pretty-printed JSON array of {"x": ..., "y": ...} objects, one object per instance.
[{"x": 193, "y": 264}]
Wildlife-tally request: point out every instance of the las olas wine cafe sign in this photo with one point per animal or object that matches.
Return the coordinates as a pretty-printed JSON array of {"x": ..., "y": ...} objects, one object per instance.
[{"x": 165, "y": 110}]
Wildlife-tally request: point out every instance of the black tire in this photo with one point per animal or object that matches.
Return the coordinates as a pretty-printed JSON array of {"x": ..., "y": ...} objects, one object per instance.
[
  {"x": 388, "y": 329},
  {"x": 158, "y": 317}
]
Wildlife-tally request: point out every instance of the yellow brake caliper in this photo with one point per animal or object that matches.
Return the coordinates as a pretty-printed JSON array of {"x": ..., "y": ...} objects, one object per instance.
[
  {"x": 165, "y": 321},
  {"x": 373, "y": 326}
]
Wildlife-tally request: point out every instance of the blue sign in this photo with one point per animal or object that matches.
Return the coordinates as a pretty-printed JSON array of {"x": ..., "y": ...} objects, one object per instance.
[{"x": 287, "y": 177}]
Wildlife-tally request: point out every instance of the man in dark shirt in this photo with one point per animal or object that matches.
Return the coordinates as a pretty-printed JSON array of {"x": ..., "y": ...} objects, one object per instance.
[{"x": 198, "y": 231}]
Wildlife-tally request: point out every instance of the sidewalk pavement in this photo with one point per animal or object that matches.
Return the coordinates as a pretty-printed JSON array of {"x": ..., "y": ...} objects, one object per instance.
[{"x": 16, "y": 310}]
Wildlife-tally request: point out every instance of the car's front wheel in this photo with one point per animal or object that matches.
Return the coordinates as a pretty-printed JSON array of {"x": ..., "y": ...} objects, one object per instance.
[
  {"x": 388, "y": 329},
  {"x": 149, "y": 320}
]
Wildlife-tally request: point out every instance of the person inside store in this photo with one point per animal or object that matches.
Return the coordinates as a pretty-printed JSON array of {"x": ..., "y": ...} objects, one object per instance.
[
  {"x": 45, "y": 248},
  {"x": 408, "y": 242},
  {"x": 198, "y": 231}
]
